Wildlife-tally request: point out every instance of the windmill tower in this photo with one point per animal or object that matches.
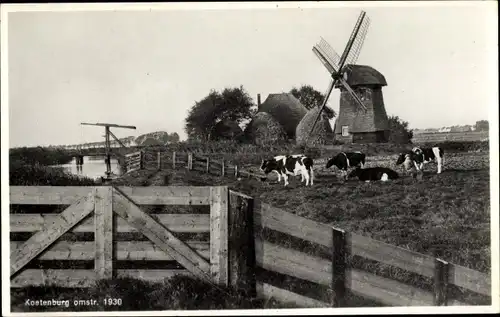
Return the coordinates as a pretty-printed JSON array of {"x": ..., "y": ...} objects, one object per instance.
[
  {"x": 353, "y": 125},
  {"x": 362, "y": 116}
]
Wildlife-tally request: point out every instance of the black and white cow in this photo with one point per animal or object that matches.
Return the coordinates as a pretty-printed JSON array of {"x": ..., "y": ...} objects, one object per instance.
[
  {"x": 420, "y": 156},
  {"x": 293, "y": 165},
  {"x": 345, "y": 160},
  {"x": 374, "y": 174}
]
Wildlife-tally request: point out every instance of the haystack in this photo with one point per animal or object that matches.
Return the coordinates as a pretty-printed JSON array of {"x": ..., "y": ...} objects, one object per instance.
[
  {"x": 322, "y": 131},
  {"x": 286, "y": 109},
  {"x": 265, "y": 129},
  {"x": 226, "y": 129}
]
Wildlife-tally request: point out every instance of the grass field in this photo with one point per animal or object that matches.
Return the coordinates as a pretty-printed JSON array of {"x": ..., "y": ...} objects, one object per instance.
[{"x": 447, "y": 215}]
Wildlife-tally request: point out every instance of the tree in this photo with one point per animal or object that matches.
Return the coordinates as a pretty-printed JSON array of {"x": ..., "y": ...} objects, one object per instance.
[
  {"x": 173, "y": 137},
  {"x": 233, "y": 104},
  {"x": 398, "y": 131},
  {"x": 482, "y": 125},
  {"x": 309, "y": 97}
]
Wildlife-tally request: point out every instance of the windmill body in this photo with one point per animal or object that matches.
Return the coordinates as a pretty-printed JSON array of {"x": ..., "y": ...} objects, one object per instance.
[{"x": 354, "y": 125}]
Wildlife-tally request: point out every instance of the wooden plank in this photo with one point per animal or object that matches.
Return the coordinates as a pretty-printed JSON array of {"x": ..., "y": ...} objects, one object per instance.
[
  {"x": 48, "y": 195},
  {"x": 294, "y": 263},
  {"x": 174, "y": 222},
  {"x": 103, "y": 215},
  {"x": 190, "y": 161},
  {"x": 470, "y": 279},
  {"x": 161, "y": 236},
  {"x": 276, "y": 219},
  {"x": 158, "y": 162},
  {"x": 388, "y": 292},
  {"x": 168, "y": 195},
  {"x": 339, "y": 267},
  {"x": 268, "y": 292},
  {"x": 208, "y": 165},
  {"x": 85, "y": 278},
  {"x": 219, "y": 234},
  {"x": 173, "y": 160},
  {"x": 223, "y": 168},
  {"x": 133, "y": 154},
  {"x": 241, "y": 259},
  {"x": 313, "y": 231},
  {"x": 286, "y": 261},
  {"x": 393, "y": 255},
  {"x": 125, "y": 250},
  {"x": 51, "y": 232}
]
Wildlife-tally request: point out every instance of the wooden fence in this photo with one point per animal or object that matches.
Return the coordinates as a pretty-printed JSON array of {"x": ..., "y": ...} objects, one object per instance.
[
  {"x": 214, "y": 261},
  {"x": 230, "y": 257},
  {"x": 134, "y": 161}
]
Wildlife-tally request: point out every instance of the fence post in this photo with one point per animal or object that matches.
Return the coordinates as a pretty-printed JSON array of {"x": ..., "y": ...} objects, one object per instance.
[
  {"x": 208, "y": 165},
  {"x": 223, "y": 168},
  {"x": 241, "y": 244},
  {"x": 219, "y": 200},
  {"x": 236, "y": 171},
  {"x": 190, "y": 161},
  {"x": 142, "y": 159},
  {"x": 103, "y": 219},
  {"x": 339, "y": 267},
  {"x": 173, "y": 160},
  {"x": 159, "y": 160},
  {"x": 441, "y": 275}
]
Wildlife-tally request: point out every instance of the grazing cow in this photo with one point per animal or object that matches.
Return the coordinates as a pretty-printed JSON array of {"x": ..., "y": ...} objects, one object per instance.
[
  {"x": 345, "y": 160},
  {"x": 374, "y": 174},
  {"x": 420, "y": 156},
  {"x": 285, "y": 165}
]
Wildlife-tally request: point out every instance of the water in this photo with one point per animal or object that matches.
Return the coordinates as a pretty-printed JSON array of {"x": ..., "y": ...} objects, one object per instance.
[{"x": 93, "y": 167}]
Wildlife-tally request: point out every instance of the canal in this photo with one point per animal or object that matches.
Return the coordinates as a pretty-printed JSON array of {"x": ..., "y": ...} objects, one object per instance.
[{"x": 93, "y": 167}]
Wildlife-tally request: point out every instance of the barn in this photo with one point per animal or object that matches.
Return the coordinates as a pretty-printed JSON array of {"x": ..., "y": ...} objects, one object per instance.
[{"x": 353, "y": 125}]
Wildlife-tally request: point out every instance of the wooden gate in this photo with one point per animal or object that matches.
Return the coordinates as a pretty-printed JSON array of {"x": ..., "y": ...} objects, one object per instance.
[{"x": 223, "y": 268}]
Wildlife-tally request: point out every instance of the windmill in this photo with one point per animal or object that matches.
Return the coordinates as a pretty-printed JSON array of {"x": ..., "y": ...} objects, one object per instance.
[
  {"x": 340, "y": 66},
  {"x": 107, "y": 134}
]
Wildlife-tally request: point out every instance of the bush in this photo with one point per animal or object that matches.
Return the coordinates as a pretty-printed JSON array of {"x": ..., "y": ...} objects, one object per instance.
[{"x": 398, "y": 131}]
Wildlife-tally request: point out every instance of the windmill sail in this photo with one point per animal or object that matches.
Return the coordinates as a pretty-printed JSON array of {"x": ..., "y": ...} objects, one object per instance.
[{"x": 335, "y": 64}]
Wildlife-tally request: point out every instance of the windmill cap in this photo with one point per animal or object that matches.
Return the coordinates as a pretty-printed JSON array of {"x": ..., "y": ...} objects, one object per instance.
[{"x": 362, "y": 75}]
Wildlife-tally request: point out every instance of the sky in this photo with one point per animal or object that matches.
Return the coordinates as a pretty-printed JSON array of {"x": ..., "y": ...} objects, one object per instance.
[{"x": 148, "y": 67}]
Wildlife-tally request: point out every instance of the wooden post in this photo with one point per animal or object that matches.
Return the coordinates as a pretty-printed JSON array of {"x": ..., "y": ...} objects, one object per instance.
[
  {"x": 219, "y": 197},
  {"x": 208, "y": 165},
  {"x": 103, "y": 219},
  {"x": 223, "y": 168},
  {"x": 441, "y": 275},
  {"x": 159, "y": 160},
  {"x": 141, "y": 156},
  {"x": 173, "y": 160},
  {"x": 236, "y": 171},
  {"x": 241, "y": 244},
  {"x": 339, "y": 267},
  {"x": 190, "y": 161}
]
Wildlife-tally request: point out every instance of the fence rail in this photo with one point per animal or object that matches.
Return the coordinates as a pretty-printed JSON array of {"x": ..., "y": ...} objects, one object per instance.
[{"x": 231, "y": 224}]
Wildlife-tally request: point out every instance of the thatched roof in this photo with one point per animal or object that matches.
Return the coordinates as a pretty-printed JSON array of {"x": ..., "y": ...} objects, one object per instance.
[
  {"x": 322, "y": 131},
  {"x": 286, "y": 109},
  {"x": 264, "y": 129},
  {"x": 226, "y": 129},
  {"x": 362, "y": 75}
]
